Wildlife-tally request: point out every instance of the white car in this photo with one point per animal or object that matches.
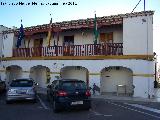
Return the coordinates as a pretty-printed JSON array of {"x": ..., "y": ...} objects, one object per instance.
[{"x": 21, "y": 89}]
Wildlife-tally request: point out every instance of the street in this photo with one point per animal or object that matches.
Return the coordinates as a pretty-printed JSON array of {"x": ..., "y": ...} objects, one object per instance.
[{"x": 101, "y": 110}]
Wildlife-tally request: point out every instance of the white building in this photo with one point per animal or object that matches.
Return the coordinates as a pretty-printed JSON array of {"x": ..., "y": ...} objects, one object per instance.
[
  {"x": 122, "y": 61},
  {"x": 2, "y": 28}
]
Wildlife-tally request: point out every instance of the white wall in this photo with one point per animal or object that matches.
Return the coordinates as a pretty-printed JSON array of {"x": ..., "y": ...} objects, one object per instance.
[
  {"x": 74, "y": 73},
  {"x": 8, "y": 45},
  {"x": 13, "y": 73},
  {"x": 95, "y": 66},
  {"x": 2, "y": 28},
  {"x": 118, "y": 36},
  {"x": 112, "y": 77},
  {"x": 82, "y": 36},
  {"x": 138, "y": 35},
  {"x": 39, "y": 75}
]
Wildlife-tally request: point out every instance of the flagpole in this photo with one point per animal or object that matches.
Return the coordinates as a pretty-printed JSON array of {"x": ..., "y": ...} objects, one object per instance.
[
  {"x": 20, "y": 36},
  {"x": 144, "y": 5},
  {"x": 24, "y": 39},
  {"x": 95, "y": 29},
  {"x": 49, "y": 32}
]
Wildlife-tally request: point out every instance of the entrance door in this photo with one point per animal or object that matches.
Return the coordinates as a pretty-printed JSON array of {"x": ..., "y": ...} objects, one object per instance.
[{"x": 38, "y": 47}]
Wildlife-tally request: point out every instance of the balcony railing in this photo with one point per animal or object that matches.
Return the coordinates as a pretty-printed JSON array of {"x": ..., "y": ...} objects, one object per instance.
[{"x": 74, "y": 50}]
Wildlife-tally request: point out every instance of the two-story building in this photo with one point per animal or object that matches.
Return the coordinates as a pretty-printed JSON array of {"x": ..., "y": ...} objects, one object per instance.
[
  {"x": 2, "y": 28},
  {"x": 120, "y": 62}
]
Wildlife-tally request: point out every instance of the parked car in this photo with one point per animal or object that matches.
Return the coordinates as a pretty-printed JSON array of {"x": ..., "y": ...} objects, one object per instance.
[
  {"x": 68, "y": 93},
  {"x": 21, "y": 89},
  {"x": 2, "y": 86}
]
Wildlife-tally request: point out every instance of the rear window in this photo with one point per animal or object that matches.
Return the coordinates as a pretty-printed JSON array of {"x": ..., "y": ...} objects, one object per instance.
[
  {"x": 73, "y": 85},
  {"x": 21, "y": 83}
]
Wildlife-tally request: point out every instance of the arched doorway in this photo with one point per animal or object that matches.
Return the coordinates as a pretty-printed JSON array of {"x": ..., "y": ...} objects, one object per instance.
[
  {"x": 116, "y": 80},
  {"x": 75, "y": 72},
  {"x": 13, "y": 72},
  {"x": 41, "y": 75}
]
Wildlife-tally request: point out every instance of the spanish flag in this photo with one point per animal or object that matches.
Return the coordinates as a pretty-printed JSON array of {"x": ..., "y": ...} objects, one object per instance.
[{"x": 49, "y": 33}]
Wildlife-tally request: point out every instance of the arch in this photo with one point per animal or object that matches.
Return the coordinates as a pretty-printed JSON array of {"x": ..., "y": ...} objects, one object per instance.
[
  {"x": 116, "y": 79},
  {"x": 75, "y": 72},
  {"x": 13, "y": 72},
  {"x": 41, "y": 75}
]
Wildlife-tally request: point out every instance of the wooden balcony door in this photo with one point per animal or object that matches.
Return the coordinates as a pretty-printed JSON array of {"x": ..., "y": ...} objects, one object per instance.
[
  {"x": 106, "y": 38},
  {"x": 38, "y": 43}
]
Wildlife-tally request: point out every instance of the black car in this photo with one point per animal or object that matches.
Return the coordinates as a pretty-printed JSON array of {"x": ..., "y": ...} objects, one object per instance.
[{"x": 69, "y": 93}]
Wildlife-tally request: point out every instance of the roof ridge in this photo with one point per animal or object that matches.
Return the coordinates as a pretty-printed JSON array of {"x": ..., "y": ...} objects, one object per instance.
[{"x": 82, "y": 21}]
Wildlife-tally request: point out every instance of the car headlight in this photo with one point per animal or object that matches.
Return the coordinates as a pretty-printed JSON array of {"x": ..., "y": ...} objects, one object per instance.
[
  {"x": 30, "y": 91},
  {"x": 12, "y": 91}
]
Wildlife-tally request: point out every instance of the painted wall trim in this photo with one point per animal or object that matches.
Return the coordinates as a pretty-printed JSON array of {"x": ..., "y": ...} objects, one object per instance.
[
  {"x": 144, "y": 75},
  {"x": 137, "y": 74},
  {"x": 100, "y": 57}
]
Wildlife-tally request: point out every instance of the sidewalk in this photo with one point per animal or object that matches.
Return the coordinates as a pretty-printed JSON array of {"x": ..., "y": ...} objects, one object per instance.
[
  {"x": 115, "y": 98},
  {"x": 126, "y": 98}
]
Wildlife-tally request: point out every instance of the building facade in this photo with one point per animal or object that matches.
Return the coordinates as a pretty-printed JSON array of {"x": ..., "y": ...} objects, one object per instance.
[{"x": 121, "y": 62}]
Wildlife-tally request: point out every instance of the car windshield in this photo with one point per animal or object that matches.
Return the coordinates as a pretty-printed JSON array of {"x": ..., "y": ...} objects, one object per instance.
[
  {"x": 73, "y": 85},
  {"x": 21, "y": 83}
]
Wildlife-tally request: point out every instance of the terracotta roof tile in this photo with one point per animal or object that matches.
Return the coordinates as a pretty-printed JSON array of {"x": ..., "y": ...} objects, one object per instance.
[{"x": 84, "y": 23}]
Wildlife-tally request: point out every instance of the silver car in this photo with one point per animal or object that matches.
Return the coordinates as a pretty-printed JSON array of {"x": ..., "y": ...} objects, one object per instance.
[{"x": 21, "y": 89}]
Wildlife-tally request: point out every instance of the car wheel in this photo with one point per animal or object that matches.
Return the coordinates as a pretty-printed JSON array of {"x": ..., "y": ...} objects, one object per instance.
[
  {"x": 47, "y": 97},
  {"x": 87, "y": 108},
  {"x": 34, "y": 101},
  {"x": 8, "y": 102},
  {"x": 55, "y": 107}
]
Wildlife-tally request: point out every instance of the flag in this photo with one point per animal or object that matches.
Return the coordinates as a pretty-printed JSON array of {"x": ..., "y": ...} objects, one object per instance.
[
  {"x": 49, "y": 33},
  {"x": 20, "y": 36},
  {"x": 95, "y": 30}
]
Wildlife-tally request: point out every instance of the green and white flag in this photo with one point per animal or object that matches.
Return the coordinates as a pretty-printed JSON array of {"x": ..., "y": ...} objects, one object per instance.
[{"x": 95, "y": 30}]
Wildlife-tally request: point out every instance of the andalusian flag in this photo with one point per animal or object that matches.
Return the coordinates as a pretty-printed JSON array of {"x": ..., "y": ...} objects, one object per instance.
[
  {"x": 95, "y": 30},
  {"x": 49, "y": 33}
]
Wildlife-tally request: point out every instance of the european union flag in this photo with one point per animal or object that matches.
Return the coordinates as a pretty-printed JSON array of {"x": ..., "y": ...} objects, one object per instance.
[{"x": 20, "y": 36}]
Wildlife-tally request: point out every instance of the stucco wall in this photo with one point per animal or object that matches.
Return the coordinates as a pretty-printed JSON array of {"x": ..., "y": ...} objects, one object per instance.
[
  {"x": 143, "y": 83},
  {"x": 112, "y": 77},
  {"x": 82, "y": 36},
  {"x": 2, "y": 28},
  {"x": 8, "y": 45},
  {"x": 74, "y": 73},
  {"x": 138, "y": 35}
]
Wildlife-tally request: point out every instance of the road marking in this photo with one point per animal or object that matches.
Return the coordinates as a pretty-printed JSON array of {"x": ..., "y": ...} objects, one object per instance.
[
  {"x": 144, "y": 107},
  {"x": 96, "y": 113},
  {"x": 42, "y": 103},
  {"x": 133, "y": 110}
]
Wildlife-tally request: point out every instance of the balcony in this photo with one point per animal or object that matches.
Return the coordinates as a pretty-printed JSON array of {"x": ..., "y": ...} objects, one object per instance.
[{"x": 74, "y": 50}]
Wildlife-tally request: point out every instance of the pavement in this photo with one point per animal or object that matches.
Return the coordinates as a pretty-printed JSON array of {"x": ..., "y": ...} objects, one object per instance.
[{"x": 118, "y": 98}]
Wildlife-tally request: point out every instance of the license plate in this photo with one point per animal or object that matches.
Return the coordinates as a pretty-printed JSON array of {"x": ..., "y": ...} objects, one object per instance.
[
  {"x": 22, "y": 92},
  {"x": 77, "y": 103}
]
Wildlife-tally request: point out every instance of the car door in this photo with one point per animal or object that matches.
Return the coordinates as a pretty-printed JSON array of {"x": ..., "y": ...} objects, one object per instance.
[{"x": 54, "y": 89}]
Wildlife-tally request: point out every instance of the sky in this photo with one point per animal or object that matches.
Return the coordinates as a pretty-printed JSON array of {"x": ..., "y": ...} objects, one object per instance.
[{"x": 31, "y": 15}]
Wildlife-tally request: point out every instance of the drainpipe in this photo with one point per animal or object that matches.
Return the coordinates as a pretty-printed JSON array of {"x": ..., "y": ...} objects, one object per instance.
[
  {"x": 155, "y": 64},
  {"x": 147, "y": 57}
]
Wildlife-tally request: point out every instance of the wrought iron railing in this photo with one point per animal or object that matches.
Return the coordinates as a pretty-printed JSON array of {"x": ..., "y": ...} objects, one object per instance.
[{"x": 74, "y": 50}]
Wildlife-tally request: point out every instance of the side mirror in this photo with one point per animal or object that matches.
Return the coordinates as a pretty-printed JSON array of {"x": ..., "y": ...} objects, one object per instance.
[
  {"x": 49, "y": 86},
  {"x": 36, "y": 83}
]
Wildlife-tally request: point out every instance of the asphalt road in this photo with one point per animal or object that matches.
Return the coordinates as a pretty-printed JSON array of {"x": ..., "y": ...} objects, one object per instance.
[{"x": 101, "y": 110}]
